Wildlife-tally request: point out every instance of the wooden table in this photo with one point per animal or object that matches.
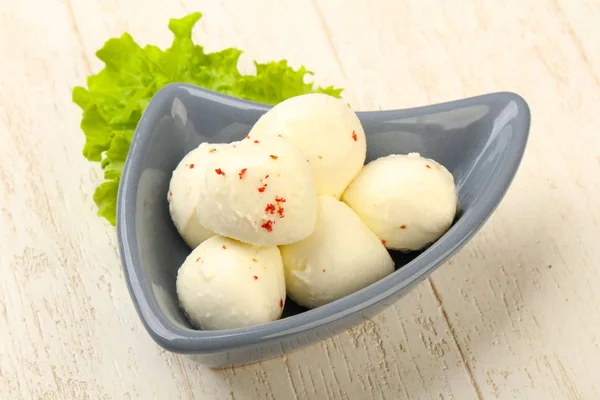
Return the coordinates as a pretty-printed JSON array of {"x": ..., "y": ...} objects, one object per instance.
[{"x": 516, "y": 314}]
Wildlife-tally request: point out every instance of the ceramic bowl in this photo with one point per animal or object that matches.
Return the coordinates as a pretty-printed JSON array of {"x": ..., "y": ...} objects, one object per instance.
[{"x": 480, "y": 140}]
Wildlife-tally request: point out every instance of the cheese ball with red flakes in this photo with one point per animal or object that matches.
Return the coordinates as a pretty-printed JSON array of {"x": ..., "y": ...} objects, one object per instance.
[
  {"x": 326, "y": 130},
  {"x": 226, "y": 284},
  {"x": 408, "y": 201},
  {"x": 340, "y": 257},
  {"x": 260, "y": 192}
]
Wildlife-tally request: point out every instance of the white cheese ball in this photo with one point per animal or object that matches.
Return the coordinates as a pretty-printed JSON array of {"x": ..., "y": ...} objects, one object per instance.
[
  {"x": 326, "y": 130},
  {"x": 340, "y": 257},
  {"x": 225, "y": 284},
  {"x": 259, "y": 192},
  {"x": 407, "y": 200},
  {"x": 184, "y": 189}
]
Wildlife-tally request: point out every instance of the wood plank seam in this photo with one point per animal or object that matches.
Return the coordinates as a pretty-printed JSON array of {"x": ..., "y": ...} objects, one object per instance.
[
  {"x": 459, "y": 350},
  {"x": 329, "y": 40},
  {"x": 576, "y": 42},
  {"x": 86, "y": 61}
]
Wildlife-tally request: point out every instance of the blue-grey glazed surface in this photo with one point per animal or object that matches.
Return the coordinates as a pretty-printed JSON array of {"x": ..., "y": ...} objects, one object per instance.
[{"x": 481, "y": 140}]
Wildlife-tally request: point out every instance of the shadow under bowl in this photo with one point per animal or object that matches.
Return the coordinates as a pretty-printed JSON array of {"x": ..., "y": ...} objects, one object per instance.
[{"x": 481, "y": 140}]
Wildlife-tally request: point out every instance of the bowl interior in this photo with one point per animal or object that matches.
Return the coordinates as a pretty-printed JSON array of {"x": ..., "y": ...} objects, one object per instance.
[{"x": 475, "y": 139}]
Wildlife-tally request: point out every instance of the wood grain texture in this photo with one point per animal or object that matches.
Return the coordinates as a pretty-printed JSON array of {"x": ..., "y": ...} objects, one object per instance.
[{"x": 513, "y": 315}]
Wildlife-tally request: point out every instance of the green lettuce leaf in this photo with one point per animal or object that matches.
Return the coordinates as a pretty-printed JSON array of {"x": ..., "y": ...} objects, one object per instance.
[
  {"x": 105, "y": 198},
  {"x": 116, "y": 97}
]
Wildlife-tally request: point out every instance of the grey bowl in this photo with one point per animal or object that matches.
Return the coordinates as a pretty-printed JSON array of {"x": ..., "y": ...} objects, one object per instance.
[{"x": 481, "y": 140}]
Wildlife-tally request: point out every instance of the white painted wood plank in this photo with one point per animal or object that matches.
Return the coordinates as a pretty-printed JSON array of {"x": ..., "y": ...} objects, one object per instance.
[{"x": 496, "y": 322}]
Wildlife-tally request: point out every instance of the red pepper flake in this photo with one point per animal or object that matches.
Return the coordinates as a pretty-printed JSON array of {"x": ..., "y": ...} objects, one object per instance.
[
  {"x": 383, "y": 242},
  {"x": 428, "y": 166},
  {"x": 256, "y": 141},
  {"x": 268, "y": 226},
  {"x": 242, "y": 172},
  {"x": 255, "y": 277},
  {"x": 224, "y": 247},
  {"x": 198, "y": 259},
  {"x": 248, "y": 137},
  {"x": 280, "y": 302},
  {"x": 279, "y": 199},
  {"x": 354, "y": 136},
  {"x": 170, "y": 193},
  {"x": 270, "y": 209},
  {"x": 324, "y": 270},
  {"x": 262, "y": 188},
  {"x": 212, "y": 150},
  {"x": 402, "y": 226},
  {"x": 266, "y": 176},
  {"x": 191, "y": 166},
  {"x": 219, "y": 171},
  {"x": 280, "y": 210},
  {"x": 273, "y": 157},
  {"x": 255, "y": 260}
]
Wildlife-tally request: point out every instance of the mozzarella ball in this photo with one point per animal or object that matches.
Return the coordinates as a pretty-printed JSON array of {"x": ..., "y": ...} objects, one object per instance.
[
  {"x": 407, "y": 200},
  {"x": 259, "y": 192},
  {"x": 184, "y": 189},
  {"x": 326, "y": 130},
  {"x": 340, "y": 257},
  {"x": 225, "y": 284}
]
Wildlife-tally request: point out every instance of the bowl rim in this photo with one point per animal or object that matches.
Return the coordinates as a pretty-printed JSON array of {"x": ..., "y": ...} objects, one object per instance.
[{"x": 186, "y": 340}]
